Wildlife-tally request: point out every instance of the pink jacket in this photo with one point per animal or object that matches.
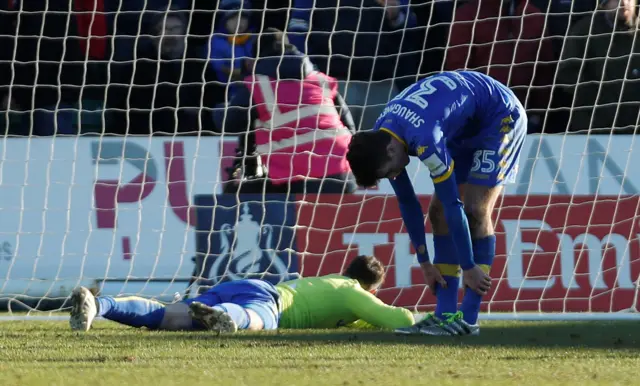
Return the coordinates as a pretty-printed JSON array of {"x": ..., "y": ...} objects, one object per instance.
[{"x": 299, "y": 133}]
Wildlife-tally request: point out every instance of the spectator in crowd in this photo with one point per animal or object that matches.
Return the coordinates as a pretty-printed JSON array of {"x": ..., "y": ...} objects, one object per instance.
[
  {"x": 600, "y": 68},
  {"x": 155, "y": 86},
  {"x": 506, "y": 40},
  {"x": 433, "y": 20},
  {"x": 561, "y": 14},
  {"x": 92, "y": 27},
  {"x": 370, "y": 44},
  {"x": 231, "y": 43},
  {"x": 91, "y": 16},
  {"x": 361, "y": 42},
  {"x": 302, "y": 124},
  {"x": 47, "y": 69}
]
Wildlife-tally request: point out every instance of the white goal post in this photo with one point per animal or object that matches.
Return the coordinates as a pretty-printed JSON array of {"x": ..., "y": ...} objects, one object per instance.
[{"x": 145, "y": 215}]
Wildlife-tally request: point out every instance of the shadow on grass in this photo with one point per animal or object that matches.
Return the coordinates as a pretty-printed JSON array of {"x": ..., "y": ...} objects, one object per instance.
[{"x": 601, "y": 335}]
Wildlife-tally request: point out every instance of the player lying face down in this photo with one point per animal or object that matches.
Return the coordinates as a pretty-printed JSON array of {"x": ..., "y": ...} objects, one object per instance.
[
  {"x": 318, "y": 302},
  {"x": 468, "y": 130}
]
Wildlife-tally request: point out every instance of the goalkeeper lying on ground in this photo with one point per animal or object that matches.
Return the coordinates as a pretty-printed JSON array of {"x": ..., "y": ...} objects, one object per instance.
[{"x": 330, "y": 301}]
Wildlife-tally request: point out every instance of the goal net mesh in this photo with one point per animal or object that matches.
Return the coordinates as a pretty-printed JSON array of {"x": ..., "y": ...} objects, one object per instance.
[{"x": 89, "y": 197}]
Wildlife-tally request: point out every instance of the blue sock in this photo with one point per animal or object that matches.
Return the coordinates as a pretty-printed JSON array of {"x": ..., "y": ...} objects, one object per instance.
[
  {"x": 133, "y": 311},
  {"x": 484, "y": 251},
  {"x": 237, "y": 313},
  {"x": 446, "y": 261}
]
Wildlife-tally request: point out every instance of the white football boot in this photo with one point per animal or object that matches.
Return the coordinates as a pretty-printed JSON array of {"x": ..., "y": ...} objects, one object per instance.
[
  {"x": 83, "y": 309},
  {"x": 212, "y": 319}
]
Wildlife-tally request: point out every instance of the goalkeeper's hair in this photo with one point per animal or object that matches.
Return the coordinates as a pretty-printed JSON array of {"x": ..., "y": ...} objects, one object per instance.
[
  {"x": 366, "y": 154},
  {"x": 367, "y": 270}
]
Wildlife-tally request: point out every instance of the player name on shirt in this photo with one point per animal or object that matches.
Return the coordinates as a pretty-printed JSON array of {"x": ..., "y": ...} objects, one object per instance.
[{"x": 403, "y": 112}]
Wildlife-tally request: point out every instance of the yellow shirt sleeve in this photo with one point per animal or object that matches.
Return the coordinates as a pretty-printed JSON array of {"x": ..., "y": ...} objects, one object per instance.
[{"x": 371, "y": 310}]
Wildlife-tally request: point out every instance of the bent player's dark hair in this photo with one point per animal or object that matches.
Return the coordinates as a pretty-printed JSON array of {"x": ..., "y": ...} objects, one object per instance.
[
  {"x": 368, "y": 270},
  {"x": 366, "y": 154}
]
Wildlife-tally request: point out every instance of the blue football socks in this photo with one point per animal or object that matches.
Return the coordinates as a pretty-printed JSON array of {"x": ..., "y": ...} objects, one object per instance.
[
  {"x": 484, "y": 250},
  {"x": 133, "y": 311},
  {"x": 446, "y": 261}
]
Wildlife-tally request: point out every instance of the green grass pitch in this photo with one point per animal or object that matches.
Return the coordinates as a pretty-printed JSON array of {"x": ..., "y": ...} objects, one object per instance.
[{"x": 507, "y": 353}]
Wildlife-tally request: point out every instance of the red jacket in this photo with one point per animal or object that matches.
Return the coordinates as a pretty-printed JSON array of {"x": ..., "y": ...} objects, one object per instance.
[
  {"x": 504, "y": 47},
  {"x": 92, "y": 26}
]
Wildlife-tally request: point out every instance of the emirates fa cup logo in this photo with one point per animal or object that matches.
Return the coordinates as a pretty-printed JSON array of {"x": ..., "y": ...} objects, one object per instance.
[{"x": 241, "y": 255}]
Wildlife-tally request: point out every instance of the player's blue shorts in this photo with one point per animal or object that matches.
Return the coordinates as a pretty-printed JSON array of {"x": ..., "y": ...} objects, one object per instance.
[
  {"x": 491, "y": 158},
  {"x": 256, "y": 295}
]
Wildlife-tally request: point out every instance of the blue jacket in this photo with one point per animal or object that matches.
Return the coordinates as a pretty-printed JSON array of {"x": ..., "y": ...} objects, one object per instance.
[
  {"x": 227, "y": 51},
  {"x": 226, "y": 57}
]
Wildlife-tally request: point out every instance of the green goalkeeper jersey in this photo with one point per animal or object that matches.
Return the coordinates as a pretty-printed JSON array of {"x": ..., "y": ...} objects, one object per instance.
[{"x": 335, "y": 301}]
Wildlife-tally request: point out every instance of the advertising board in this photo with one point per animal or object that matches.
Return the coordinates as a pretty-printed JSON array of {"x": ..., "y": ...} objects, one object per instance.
[{"x": 77, "y": 210}]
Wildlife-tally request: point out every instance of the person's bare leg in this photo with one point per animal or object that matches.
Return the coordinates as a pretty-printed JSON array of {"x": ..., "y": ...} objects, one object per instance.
[{"x": 479, "y": 202}]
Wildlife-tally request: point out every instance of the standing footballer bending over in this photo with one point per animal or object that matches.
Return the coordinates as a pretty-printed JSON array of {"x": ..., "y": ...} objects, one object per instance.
[{"x": 468, "y": 129}]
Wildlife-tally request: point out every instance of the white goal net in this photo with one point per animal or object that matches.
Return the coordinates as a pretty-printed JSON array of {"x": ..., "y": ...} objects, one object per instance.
[{"x": 89, "y": 197}]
